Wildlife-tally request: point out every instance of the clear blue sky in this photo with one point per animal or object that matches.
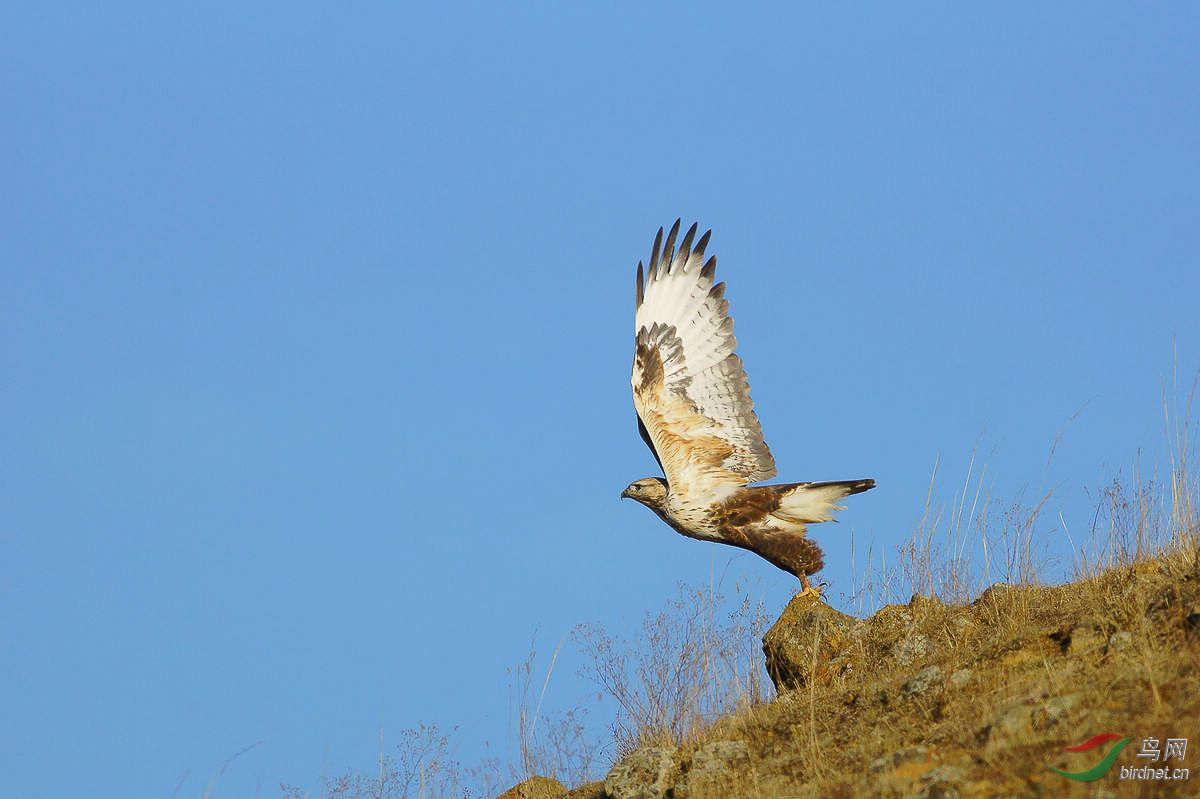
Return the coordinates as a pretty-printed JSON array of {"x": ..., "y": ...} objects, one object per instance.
[{"x": 316, "y": 331}]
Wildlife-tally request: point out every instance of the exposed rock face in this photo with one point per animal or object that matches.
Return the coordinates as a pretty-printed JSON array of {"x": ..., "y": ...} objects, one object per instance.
[
  {"x": 925, "y": 680},
  {"x": 806, "y": 641},
  {"x": 644, "y": 774},
  {"x": 717, "y": 769},
  {"x": 811, "y": 643}
]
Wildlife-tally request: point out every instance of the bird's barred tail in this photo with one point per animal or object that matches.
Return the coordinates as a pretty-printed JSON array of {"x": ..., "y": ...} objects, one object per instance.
[
  {"x": 812, "y": 503},
  {"x": 851, "y": 486}
]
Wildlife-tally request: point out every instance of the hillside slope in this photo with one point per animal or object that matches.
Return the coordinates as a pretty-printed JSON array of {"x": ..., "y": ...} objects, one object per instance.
[{"x": 979, "y": 700}]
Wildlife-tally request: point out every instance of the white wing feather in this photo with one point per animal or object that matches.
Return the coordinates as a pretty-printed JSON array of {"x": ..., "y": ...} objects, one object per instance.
[{"x": 697, "y": 408}]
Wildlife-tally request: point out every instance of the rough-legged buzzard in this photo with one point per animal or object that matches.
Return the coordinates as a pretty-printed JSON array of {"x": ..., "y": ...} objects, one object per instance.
[{"x": 694, "y": 412}]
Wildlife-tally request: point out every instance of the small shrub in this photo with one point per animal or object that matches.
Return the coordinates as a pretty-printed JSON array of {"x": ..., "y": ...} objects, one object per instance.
[{"x": 686, "y": 669}]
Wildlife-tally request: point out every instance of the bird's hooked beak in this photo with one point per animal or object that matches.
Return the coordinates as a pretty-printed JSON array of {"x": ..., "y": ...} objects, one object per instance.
[{"x": 626, "y": 495}]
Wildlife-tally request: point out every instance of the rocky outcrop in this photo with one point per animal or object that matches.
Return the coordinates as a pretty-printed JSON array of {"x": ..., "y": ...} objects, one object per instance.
[
  {"x": 813, "y": 644},
  {"x": 714, "y": 770},
  {"x": 807, "y": 643},
  {"x": 644, "y": 774},
  {"x": 719, "y": 768}
]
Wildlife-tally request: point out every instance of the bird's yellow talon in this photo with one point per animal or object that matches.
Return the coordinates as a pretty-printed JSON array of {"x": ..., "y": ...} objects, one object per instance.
[{"x": 812, "y": 591}]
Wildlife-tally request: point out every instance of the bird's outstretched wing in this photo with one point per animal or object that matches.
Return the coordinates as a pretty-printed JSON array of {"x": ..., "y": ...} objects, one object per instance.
[{"x": 689, "y": 387}]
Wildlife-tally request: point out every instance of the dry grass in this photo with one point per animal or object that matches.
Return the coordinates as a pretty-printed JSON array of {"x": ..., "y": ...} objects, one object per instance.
[
  {"x": 421, "y": 766},
  {"x": 551, "y": 744},
  {"x": 688, "y": 667}
]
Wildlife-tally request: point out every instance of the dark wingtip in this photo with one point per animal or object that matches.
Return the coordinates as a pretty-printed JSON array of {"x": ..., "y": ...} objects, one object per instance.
[
  {"x": 652, "y": 268},
  {"x": 703, "y": 243},
  {"x": 709, "y": 269},
  {"x": 685, "y": 246},
  {"x": 669, "y": 248},
  {"x": 641, "y": 288}
]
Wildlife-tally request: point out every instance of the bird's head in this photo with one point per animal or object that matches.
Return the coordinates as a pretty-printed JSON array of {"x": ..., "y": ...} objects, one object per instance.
[{"x": 650, "y": 491}]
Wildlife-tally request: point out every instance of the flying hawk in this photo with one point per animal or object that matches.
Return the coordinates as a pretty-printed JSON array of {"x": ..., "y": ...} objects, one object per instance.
[{"x": 694, "y": 412}]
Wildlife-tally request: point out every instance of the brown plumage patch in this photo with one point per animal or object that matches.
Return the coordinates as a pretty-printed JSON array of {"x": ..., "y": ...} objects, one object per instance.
[
  {"x": 648, "y": 361},
  {"x": 740, "y": 519},
  {"x": 682, "y": 439},
  {"x": 749, "y": 506},
  {"x": 789, "y": 551}
]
